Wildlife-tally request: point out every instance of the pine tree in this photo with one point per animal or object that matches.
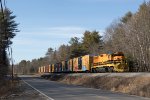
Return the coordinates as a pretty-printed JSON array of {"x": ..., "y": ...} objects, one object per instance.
[{"x": 8, "y": 29}]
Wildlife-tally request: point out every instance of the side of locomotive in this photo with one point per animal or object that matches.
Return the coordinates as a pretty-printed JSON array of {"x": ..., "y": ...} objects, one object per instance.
[{"x": 110, "y": 63}]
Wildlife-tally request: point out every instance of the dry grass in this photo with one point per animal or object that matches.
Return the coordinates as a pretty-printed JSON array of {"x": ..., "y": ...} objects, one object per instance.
[
  {"x": 8, "y": 87},
  {"x": 135, "y": 85},
  {"x": 4, "y": 87},
  {"x": 21, "y": 91}
]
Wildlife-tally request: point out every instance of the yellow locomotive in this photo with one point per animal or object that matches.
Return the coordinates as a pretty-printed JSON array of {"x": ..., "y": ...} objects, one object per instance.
[{"x": 110, "y": 63}]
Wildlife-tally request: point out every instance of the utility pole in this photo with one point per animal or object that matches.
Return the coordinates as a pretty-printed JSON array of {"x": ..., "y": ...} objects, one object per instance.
[{"x": 12, "y": 65}]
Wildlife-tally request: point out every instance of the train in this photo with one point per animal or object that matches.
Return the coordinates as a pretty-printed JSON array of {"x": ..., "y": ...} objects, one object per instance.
[{"x": 111, "y": 62}]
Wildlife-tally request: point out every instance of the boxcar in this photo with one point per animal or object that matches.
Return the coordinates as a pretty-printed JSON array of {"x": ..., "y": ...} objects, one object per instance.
[
  {"x": 52, "y": 68},
  {"x": 59, "y": 67},
  {"x": 39, "y": 70},
  {"x": 87, "y": 61},
  {"x": 65, "y": 66},
  {"x": 77, "y": 64},
  {"x": 42, "y": 69},
  {"x": 47, "y": 69},
  {"x": 70, "y": 65}
]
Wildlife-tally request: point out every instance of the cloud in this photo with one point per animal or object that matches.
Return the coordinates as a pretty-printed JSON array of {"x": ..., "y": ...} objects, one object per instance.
[
  {"x": 54, "y": 36},
  {"x": 43, "y": 36},
  {"x": 67, "y": 29},
  {"x": 58, "y": 31},
  {"x": 53, "y": 30},
  {"x": 33, "y": 43}
]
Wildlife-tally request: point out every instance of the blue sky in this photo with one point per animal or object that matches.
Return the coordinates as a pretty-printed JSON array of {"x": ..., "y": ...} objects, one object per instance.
[{"x": 50, "y": 23}]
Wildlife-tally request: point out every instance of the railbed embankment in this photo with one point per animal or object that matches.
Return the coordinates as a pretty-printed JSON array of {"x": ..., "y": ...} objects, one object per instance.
[{"x": 130, "y": 83}]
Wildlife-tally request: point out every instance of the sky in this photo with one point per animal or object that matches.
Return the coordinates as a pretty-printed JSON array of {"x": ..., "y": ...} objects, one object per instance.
[{"x": 51, "y": 23}]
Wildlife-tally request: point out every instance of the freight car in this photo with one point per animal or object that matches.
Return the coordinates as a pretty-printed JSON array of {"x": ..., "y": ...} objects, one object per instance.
[{"x": 114, "y": 62}]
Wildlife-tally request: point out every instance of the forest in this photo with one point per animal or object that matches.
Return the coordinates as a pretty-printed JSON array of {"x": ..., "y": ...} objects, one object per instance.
[{"x": 129, "y": 34}]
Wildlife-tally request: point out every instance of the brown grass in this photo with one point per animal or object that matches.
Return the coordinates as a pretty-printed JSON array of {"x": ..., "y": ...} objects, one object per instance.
[
  {"x": 8, "y": 87},
  {"x": 136, "y": 85}
]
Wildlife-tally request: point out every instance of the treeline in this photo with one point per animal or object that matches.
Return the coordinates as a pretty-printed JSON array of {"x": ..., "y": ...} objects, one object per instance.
[
  {"x": 129, "y": 34},
  {"x": 90, "y": 43},
  {"x": 8, "y": 29}
]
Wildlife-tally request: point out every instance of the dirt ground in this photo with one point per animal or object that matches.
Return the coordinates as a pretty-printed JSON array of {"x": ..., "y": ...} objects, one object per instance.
[
  {"x": 23, "y": 92},
  {"x": 130, "y": 83}
]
